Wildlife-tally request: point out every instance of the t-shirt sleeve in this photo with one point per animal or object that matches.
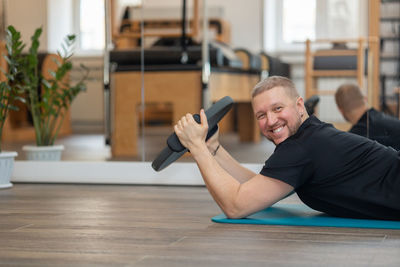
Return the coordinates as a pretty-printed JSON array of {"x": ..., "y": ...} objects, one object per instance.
[{"x": 289, "y": 163}]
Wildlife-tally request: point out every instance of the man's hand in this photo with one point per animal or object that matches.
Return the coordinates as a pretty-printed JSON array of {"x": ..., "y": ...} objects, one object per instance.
[
  {"x": 191, "y": 134},
  {"x": 213, "y": 142}
]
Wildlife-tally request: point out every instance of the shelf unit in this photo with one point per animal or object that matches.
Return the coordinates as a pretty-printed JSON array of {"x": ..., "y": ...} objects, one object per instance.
[{"x": 388, "y": 31}]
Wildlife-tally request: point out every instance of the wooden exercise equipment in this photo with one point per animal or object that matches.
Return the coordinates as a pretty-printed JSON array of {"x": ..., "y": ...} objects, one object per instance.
[
  {"x": 131, "y": 35},
  {"x": 17, "y": 126},
  {"x": 127, "y": 32},
  {"x": 182, "y": 90},
  {"x": 239, "y": 87},
  {"x": 362, "y": 59},
  {"x": 162, "y": 87}
]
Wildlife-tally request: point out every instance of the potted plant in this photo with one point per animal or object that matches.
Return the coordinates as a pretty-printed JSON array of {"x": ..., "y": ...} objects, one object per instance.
[
  {"x": 48, "y": 99},
  {"x": 10, "y": 90}
]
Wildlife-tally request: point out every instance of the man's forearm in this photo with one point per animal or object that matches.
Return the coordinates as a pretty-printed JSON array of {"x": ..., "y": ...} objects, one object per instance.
[
  {"x": 221, "y": 185},
  {"x": 237, "y": 200},
  {"x": 232, "y": 166}
]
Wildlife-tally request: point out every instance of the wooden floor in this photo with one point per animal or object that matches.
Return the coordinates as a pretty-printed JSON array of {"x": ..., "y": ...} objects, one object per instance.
[
  {"x": 91, "y": 147},
  {"x": 103, "y": 225}
]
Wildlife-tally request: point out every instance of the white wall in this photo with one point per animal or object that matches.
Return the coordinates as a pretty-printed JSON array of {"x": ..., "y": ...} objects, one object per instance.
[
  {"x": 26, "y": 16},
  {"x": 59, "y": 22},
  {"x": 245, "y": 20},
  {"x": 54, "y": 16}
]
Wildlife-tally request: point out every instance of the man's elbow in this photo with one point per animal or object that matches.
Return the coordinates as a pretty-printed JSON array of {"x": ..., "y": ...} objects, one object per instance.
[
  {"x": 235, "y": 209},
  {"x": 233, "y": 215},
  {"x": 234, "y": 212}
]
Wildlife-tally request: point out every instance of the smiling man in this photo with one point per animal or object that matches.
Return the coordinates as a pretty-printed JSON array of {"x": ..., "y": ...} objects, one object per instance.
[
  {"x": 335, "y": 172},
  {"x": 279, "y": 109}
]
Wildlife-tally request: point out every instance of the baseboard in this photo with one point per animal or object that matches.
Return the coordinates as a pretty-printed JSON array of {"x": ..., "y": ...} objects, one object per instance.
[{"x": 140, "y": 173}]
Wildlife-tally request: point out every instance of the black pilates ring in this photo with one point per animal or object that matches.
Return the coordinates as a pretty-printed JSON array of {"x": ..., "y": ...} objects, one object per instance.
[{"x": 174, "y": 149}]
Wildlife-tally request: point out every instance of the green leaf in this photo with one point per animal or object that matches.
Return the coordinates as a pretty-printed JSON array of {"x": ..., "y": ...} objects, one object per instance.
[
  {"x": 11, "y": 107},
  {"x": 46, "y": 83},
  {"x": 21, "y": 99},
  {"x": 71, "y": 37},
  {"x": 53, "y": 74}
]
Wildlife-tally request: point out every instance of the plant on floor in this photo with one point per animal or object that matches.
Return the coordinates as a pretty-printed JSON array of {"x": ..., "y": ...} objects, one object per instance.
[
  {"x": 11, "y": 88},
  {"x": 49, "y": 104}
]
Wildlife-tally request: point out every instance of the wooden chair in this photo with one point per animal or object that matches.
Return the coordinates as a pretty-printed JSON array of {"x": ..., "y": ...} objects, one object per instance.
[{"x": 340, "y": 61}]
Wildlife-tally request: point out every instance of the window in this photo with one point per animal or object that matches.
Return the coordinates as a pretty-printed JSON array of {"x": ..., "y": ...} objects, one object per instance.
[
  {"x": 91, "y": 25},
  {"x": 298, "y": 20},
  {"x": 288, "y": 23},
  {"x": 91, "y": 22}
]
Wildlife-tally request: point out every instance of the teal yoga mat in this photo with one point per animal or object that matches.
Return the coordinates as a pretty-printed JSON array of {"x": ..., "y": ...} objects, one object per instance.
[{"x": 301, "y": 215}]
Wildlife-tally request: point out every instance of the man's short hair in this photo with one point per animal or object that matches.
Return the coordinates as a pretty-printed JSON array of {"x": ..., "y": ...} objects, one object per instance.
[
  {"x": 275, "y": 81},
  {"x": 349, "y": 97}
]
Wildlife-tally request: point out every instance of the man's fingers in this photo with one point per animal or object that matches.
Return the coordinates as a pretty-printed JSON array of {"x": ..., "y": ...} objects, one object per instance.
[
  {"x": 203, "y": 118},
  {"x": 189, "y": 118},
  {"x": 183, "y": 120}
]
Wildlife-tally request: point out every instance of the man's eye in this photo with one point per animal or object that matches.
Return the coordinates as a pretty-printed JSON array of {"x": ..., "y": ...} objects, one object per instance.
[
  {"x": 278, "y": 109},
  {"x": 261, "y": 116}
]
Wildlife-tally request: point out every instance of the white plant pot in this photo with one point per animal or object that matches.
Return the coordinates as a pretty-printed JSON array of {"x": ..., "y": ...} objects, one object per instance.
[
  {"x": 43, "y": 153},
  {"x": 6, "y": 168}
]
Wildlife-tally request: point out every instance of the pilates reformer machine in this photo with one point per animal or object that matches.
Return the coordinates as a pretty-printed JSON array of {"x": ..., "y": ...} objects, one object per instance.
[{"x": 181, "y": 73}]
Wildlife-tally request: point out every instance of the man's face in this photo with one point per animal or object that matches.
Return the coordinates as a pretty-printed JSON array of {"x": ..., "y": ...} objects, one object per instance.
[{"x": 278, "y": 115}]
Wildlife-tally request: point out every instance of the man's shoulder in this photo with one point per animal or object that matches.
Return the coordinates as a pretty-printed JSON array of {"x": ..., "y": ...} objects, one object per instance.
[
  {"x": 380, "y": 122},
  {"x": 310, "y": 126},
  {"x": 288, "y": 153},
  {"x": 385, "y": 117}
]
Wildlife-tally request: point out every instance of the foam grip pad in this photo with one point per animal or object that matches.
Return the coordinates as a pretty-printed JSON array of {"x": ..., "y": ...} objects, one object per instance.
[
  {"x": 173, "y": 141},
  {"x": 174, "y": 149}
]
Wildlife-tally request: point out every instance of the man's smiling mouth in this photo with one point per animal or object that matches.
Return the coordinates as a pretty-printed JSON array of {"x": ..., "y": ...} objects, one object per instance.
[{"x": 277, "y": 130}]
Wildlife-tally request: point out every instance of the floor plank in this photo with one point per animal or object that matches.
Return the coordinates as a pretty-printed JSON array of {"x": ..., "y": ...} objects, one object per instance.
[{"x": 116, "y": 225}]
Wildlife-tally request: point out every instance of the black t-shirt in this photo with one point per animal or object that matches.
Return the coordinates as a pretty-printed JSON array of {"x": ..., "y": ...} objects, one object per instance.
[
  {"x": 381, "y": 127},
  {"x": 339, "y": 173}
]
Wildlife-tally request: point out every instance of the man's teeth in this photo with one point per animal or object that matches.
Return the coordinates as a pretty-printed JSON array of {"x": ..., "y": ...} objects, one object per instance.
[{"x": 278, "y": 129}]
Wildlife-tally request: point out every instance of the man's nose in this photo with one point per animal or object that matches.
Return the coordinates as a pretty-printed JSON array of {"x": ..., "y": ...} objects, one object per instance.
[{"x": 271, "y": 119}]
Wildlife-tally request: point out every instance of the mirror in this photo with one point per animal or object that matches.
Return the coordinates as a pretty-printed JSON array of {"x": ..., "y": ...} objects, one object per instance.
[
  {"x": 173, "y": 77},
  {"x": 156, "y": 75}
]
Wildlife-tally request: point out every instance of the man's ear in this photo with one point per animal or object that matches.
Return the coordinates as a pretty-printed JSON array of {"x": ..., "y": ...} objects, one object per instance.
[{"x": 300, "y": 105}]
